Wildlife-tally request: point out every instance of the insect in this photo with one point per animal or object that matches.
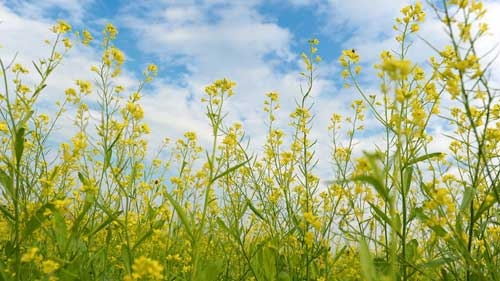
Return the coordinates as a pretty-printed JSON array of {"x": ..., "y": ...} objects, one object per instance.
[{"x": 353, "y": 51}]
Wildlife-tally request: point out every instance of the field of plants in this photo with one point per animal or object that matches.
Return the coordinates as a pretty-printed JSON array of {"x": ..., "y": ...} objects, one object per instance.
[{"x": 100, "y": 207}]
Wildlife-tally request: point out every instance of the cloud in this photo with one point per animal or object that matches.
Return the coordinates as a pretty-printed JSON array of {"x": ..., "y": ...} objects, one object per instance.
[
  {"x": 50, "y": 9},
  {"x": 201, "y": 41},
  {"x": 234, "y": 41}
]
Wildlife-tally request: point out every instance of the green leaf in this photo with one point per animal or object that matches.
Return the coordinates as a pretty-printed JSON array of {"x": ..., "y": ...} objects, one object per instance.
[
  {"x": 419, "y": 213},
  {"x": 109, "y": 151},
  {"x": 6, "y": 212},
  {"x": 2, "y": 272},
  {"x": 182, "y": 215},
  {"x": 83, "y": 179},
  {"x": 411, "y": 251},
  {"x": 408, "y": 173},
  {"x": 37, "y": 69},
  {"x": 126, "y": 257},
  {"x": 142, "y": 239},
  {"x": 255, "y": 211},
  {"x": 105, "y": 223},
  {"x": 107, "y": 158},
  {"x": 229, "y": 171},
  {"x": 423, "y": 158},
  {"x": 284, "y": 276},
  {"x": 266, "y": 263},
  {"x": 380, "y": 215},
  {"x": 469, "y": 193},
  {"x": 233, "y": 232},
  {"x": 376, "y": 183},
  {"x": 485, "y": 206},
  {"x": 210, "y": 270},
  {"x": 88, "y": 203},
  {"x": 22, "y": 123},
  {"x": 367, "y": 266},
  {"x": 19, "y": 144},
  {"x": 39, "y": 89},
  {"x": 60, "y": 229},
  {"x": 7, "y": 183},
  {"x": 37, "y": 219}
]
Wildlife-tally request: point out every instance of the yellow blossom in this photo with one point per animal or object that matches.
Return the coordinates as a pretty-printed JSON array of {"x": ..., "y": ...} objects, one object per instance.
[
  {"x": 67, "y": 43},
  {"x": 110, "y": 30},
  {"x": 3, "y": 126},
  {"x": 414, "y": 27},
  {"x": 23, "y": 89},
  {"x": 49, "y": 266},
  {"x": 30, "y": 255},
  {"x": 273, "y": 96},
  {"x": 396, "y": 69},
  {"x": 146, "y": 267},
  {"x": 19, "y": 68},
  {"x": 309, "y": 238},
  {"x": 87, "y": 37},
  {"x": 191, "y": 136},
  {"x": 85, "y": 86},
  {"x": 61, "y": 27}
]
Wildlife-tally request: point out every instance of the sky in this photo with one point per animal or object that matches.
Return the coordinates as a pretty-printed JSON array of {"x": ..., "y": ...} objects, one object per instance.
[{"x": 256, "y": 43}]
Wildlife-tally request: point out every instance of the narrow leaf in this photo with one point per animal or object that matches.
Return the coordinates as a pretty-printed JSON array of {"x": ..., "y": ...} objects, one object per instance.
[
  {"x": 408, "y": 173},
  {"x": 6, "y": 181},
  {"x": 37, "y": 69},
  {"x": 255, "y": 211},
  {"x": 19, "y": 144},
  {"x": 423, "y": 158},
  {"x": 36, "y": 220},
  {"x": 367, "y": 267},
  {"x": 181, "y": 214},
  {"x": 468, "y": 195},
  {"x": 105, "y": 223},
  {"x": 229, "y": 171},
  {"x": 380, "y": 215},
  {"x": 379, "y": 186},
  {"x": 6, "y": 212}
]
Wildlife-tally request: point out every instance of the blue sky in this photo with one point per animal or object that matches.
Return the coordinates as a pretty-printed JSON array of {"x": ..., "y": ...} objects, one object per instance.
[{"x": 256, "y": 43}]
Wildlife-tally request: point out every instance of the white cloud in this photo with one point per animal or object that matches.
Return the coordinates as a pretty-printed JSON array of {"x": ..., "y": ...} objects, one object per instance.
[
  {"x": 232, "y": 43},
  {"x": 39, "y": 10},
  {"x": 216, "y": 39}
]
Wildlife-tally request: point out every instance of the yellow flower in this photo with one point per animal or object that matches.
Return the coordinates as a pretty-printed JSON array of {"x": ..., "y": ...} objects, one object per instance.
[
  {"x": 119, "y": 89},
  {"x": 23, "y": 89},
  {"x": 118, "y": 55},
  {"x": 49, "y": 266},
  {"x": 351, "y": 54},
  {"x": 111, "y": 30},
  {"x": 85, "y": 86},
  {"x": 396, "y": 69},
  {"x": 3, "y": 127},
  {"x": 146, "y": 267},
  {"x": 414, "y": 27},
  {"x": 273, "y": 96},
  {"x": 230, "y": 139},
  {"x": 19, "y": 68},
  {"x": 153, "y": 69},
  {"x": 309, "y": 238},
  {"x": 87, "y": 37},
  {"x": 30, "y": 255},
  {"x": 357, "y": 69},
  {"x": 61, "y": 27},
  {"x": 136, "y": 110},
  {"x": 310, "y": 218},
  {"x": 61, "y": 204},
  {"x": 314, "y": 41},
  {"x": 67, "y": 43}
]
